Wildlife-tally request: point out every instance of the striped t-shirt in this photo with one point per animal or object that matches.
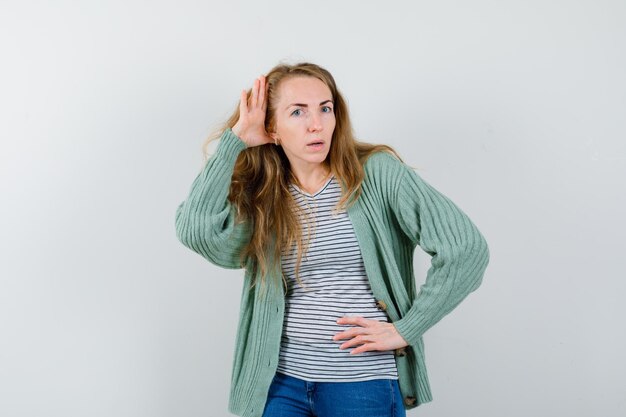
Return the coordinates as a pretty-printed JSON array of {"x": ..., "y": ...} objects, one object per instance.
[{"x": 335, "y": 285}]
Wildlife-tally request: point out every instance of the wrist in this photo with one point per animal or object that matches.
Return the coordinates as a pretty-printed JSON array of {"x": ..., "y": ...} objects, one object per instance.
[{"x": 236, "y": 130}]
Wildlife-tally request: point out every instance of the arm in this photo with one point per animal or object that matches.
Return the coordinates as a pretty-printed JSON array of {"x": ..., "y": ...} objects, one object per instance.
[
  {"x": 205, "y": 221},
  {"x": 460, "y": 256},
  {"x": 459, "y": 252}
]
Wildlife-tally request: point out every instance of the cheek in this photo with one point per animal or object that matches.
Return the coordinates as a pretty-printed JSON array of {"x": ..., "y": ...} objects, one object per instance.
[
  {"x": 332, "y": 123},
  {"x": 295, "y": 126},
  {"x": 285, "y": 130}
]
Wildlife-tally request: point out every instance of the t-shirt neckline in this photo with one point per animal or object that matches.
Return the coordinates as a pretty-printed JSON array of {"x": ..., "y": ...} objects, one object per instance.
[{"x": 317, "y": 192}]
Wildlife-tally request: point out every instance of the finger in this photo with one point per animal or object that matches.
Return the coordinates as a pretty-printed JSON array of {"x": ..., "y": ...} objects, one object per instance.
[
  {"x": 243, "y": 103},
  {"x": 262, "y": 88},
  {"x": 355, "y": 320},
  {"x": 347, "y": 334},
  {"x": 356, "y": 341},
  {"x": 255, "y": 93},
  {"x": 368, "y": 347}
]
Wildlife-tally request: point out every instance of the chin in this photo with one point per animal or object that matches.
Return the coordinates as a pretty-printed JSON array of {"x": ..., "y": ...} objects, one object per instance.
[{"x": 321, "y": 158}]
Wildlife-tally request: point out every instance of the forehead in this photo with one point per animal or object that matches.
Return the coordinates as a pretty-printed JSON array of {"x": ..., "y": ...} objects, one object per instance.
[{"x": 303, "y": 89}]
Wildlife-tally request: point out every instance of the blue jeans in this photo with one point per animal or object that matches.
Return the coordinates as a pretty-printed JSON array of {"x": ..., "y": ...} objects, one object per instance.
[{"x": 293, "y": 397}]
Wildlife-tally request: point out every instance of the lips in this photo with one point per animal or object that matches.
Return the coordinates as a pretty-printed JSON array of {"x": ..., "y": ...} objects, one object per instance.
[{"x": 315, "y": 142}]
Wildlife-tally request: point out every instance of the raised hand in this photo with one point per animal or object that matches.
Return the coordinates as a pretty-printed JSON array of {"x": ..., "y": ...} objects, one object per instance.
[
  {"x": 251, "y": 124},
  {"x": 369, "y": 335}
]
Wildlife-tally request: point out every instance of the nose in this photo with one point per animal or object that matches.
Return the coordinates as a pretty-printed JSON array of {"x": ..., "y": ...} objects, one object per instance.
[{"x": 315, "y": 122}]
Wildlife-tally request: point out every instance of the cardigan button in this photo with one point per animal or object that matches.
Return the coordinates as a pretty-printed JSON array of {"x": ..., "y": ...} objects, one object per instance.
[
  {"x": 410, "y": 400},
  {"x": 381, "y": 305},
  {"x": 400, "y": 351}
]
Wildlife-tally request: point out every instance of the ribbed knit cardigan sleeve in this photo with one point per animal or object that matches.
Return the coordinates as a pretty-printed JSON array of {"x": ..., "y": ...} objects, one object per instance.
[
  {"x": 205, "y": 221},
  {"x": 459, "y": 251}
]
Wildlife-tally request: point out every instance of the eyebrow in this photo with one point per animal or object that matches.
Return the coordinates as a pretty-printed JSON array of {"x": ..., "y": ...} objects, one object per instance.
[{"x": 306, "y": 105}]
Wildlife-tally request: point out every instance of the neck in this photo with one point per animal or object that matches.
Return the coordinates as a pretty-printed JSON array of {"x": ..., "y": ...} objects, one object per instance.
[{"x": 310, "y": 178}]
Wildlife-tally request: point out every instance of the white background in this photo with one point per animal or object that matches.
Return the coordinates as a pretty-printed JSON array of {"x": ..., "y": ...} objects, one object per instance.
[{"x": 513, "y": 109}]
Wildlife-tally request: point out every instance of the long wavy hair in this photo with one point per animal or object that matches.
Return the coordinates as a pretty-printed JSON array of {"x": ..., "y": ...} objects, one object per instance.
[{"x": 259, "y": 188}]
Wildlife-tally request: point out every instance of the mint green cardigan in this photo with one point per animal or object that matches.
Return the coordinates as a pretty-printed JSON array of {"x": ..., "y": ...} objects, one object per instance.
[{"x": 396, "y": 211}]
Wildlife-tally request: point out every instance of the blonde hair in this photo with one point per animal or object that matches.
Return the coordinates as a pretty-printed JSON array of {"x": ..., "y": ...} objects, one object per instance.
[{"x": 260, "y": 183}]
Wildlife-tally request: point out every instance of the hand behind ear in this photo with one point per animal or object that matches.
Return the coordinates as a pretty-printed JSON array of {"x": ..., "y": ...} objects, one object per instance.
[{"x": 251, "y": 124}]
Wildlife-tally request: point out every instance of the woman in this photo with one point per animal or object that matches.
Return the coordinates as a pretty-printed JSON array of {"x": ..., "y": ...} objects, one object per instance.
[{"x": 325, "y": 226}]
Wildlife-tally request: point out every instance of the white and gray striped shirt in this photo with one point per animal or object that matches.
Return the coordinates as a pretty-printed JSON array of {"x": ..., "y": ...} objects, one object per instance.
[{"x": 335, "y": 285}]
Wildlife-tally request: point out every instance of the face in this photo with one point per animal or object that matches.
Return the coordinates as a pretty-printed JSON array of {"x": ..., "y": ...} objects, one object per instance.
[{"x": 305, "y": 120}]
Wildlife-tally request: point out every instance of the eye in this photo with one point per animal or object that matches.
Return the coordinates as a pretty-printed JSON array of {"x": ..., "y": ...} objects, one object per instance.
[
  {"x": 296, "y": 112},
  {"x": 327, "y": 109}
]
